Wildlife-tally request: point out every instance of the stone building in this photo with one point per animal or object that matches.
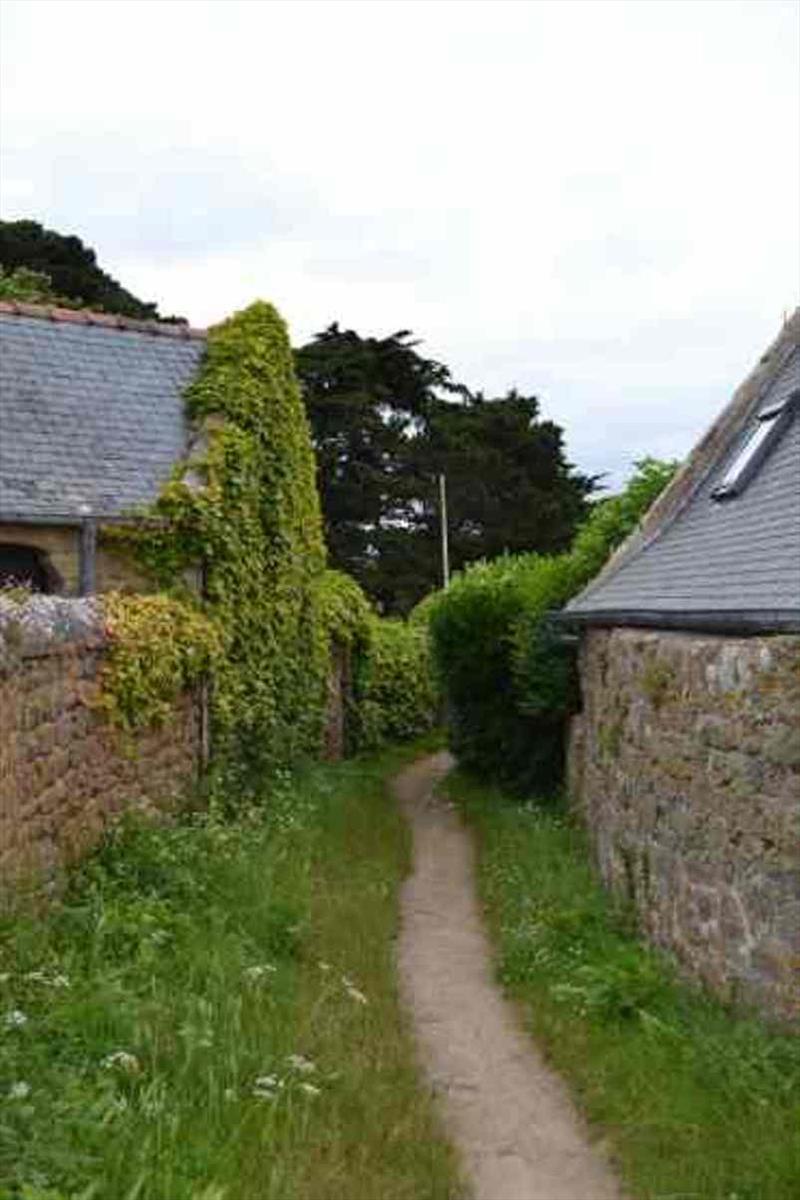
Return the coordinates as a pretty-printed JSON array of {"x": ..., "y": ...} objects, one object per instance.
[
  {"x": 91, "y": 423},
  {"x": 685, "y": 761}
]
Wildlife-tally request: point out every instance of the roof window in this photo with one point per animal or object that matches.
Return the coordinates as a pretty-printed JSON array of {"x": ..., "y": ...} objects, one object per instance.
[{"x": 754, "y": 448}]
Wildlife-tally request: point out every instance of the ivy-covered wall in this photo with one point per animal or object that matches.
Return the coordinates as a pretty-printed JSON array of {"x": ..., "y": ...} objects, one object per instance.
[{"x": 244, "y": 505}]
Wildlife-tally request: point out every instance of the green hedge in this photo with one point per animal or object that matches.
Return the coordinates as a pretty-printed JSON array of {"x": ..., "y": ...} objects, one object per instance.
[
  {"x": 509, "y": 679},
  {"x": 393, "y": 697},
  {"x": 394, "y": 694}
]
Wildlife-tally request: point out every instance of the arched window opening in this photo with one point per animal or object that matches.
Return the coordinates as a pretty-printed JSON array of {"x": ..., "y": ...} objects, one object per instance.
[{"x": 25, "y": 566}]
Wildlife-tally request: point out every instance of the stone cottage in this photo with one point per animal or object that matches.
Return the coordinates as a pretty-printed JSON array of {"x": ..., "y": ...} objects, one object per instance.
[
  {"x": 685, "y": 761},
  {"x": 91, "y": 423}
]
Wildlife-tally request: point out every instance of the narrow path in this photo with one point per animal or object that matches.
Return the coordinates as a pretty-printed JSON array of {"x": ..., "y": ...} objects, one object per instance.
[{"x": 510, "y": 1117}]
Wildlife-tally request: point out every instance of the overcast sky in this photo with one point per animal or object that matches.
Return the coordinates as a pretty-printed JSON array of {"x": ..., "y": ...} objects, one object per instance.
[{"x": 595, "y": 202}]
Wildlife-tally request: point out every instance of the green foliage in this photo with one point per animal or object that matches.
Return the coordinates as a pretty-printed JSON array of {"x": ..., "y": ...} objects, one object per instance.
[
  {"x": 29, "y": 287},
  {"x": 345, "y": 611},
  {"x": 395, "y": 696},
  {"x": 680, "y": 1088},
  {"x": 246, "y": 507},
  {"x": 70, "y": 269},
  {"x": 392, "y": 695},
  {"x": 611, "y": 520},
  {"x": 182, "y": 1040},
  {"x": 386, "y": 422},
  {"x": 160, "y": 646},
  {"x": 509, "y": 678}
]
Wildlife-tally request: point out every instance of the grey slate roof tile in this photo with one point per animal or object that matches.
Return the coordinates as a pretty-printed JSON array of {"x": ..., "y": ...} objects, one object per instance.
[
  {"x": 91, "y": 417},
  {"x": 698, "y": 555}
]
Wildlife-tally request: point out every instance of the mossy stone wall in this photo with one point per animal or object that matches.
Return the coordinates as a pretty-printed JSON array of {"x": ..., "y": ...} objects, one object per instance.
[{"x": 685, "y": 765}]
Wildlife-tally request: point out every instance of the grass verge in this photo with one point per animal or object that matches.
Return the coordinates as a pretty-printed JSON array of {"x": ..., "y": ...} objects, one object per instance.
[
  {"x": 692, "y": 1102},
  {"x": 211, "y": 1013}
]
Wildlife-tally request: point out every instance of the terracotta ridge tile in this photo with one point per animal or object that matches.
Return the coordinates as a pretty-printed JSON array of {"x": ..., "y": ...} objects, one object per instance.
[{"x": 85, "y": 316}]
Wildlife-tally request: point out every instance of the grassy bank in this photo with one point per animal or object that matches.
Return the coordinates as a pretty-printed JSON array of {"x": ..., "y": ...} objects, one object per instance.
[
  {"x": 211, "y": 1014},
  {"x": 692, "y": 1102}
]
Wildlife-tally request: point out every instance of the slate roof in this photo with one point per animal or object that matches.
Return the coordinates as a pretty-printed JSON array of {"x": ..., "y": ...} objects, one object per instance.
[
  {"x": 91, "y": 410},
  {"x": 697, "y": 562}
]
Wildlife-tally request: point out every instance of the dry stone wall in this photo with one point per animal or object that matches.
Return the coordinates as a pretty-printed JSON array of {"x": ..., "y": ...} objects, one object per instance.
[
  {"x": 65, "y": 773},
  {"x": 685, "y": 764}
]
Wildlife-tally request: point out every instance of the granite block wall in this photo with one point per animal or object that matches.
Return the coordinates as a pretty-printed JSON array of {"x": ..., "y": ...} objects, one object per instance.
[
  {"x": 64, "y": 771},
  {"x": 685, "y": 765}
]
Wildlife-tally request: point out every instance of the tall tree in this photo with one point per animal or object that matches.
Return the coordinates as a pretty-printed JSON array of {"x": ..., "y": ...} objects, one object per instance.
[
  {"x": 70, "y": 266},
  {"x": 386, "y": 422}
]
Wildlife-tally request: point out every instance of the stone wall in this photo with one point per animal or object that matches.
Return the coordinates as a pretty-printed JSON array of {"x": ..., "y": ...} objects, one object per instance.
[
  {"x": 64, "y": 771},
  {"x": 685, "y": 764}
]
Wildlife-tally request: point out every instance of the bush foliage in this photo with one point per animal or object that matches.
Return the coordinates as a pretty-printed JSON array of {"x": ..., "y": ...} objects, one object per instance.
[
  {"x": 508, "y": 677},
  {"x": 392, "y": 695}
]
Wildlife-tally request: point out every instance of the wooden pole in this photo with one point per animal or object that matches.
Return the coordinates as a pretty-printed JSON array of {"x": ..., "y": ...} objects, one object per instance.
[{"x": 443, "y": 521}]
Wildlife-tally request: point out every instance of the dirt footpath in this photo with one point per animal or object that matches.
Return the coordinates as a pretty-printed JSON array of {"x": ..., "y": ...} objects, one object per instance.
[{"x": 515, "y": 1127}]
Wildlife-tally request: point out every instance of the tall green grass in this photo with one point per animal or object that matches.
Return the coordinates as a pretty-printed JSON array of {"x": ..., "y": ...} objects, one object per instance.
[
  {"x": 693, "y": 1102},
  {"x": 211, "y": 1013}
]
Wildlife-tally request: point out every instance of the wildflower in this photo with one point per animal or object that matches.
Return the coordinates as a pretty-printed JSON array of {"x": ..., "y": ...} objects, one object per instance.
[
  {"x": 59, "y": 981},
  {"x": 266, "y": 1087},
  {"x": 19, "y": 1091},
  {"x": 258, "y": 972},
  {"x": 310, "y": 1089},
  {"x": 15, "y": 1019},
  {"x": 353, "y": 992},
  {"x": 323, "y": 966},
  {"x": 299, "y": 1062},
  {"x": 122, "y": 1059}
]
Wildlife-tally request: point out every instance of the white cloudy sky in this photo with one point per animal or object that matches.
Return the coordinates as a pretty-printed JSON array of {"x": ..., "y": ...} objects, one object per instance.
[{"x": 597, "y": 202}]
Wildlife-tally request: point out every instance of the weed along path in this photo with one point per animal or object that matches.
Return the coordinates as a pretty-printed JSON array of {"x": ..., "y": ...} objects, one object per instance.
[{"x": 511, "y": 1119}]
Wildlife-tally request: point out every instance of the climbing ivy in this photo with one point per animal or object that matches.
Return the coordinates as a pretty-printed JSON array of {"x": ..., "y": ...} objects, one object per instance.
[
  {"x": 245, "y": 505},
  {"x": 159, "y": 646},
  {"x": 392, "y": 695},
  {"x": 346, "y": 612}
]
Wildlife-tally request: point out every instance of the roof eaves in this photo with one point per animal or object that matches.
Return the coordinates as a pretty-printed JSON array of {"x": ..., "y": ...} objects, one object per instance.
[{"x": 731, "y": 621}]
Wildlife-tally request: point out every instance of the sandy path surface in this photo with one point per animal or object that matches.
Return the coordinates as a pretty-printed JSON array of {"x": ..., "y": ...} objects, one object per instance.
[{"x": 510, "y": 1117}]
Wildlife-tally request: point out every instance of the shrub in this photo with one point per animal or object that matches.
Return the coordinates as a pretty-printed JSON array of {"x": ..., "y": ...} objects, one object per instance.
[
  {"x": 394, "y": 695},
  {"x": 509, "y": 678}
]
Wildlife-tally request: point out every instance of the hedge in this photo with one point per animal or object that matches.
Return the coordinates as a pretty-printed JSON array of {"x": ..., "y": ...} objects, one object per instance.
[{"x": 508, "y": 677}]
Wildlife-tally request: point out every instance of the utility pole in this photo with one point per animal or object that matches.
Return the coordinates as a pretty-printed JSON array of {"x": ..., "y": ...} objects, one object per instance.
[{"x": 443, "y": 520}]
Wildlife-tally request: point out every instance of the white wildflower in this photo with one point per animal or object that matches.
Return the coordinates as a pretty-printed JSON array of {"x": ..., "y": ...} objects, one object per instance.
[
  {"x": 266, "y": 1087},
  {"x": 324, "y": 966},
  {"x": 353, "y": 992},
  {"x": 122, "y": 1059},
  {"x": 258, "y": 972},
  {"x": 310, "y": 1089},
  {"x": 19, "y": 1091},
  {"x": 15, "y": 1019},
  {"x": 59, "y": 981},
  {"x": 298, "y": 1062}
]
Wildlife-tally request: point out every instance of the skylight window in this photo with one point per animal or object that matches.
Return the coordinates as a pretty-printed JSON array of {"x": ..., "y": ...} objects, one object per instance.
[{"x": 753, "y": 450}]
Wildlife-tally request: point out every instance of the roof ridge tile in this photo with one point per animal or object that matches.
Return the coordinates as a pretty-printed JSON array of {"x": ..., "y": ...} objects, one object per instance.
[{"x": 85, "y": 316}]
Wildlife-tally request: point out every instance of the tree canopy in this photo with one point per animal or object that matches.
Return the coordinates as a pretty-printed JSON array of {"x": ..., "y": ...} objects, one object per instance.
[
  {"x": 386, "y": 421},
  {"x": 69, "y": 267}
]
